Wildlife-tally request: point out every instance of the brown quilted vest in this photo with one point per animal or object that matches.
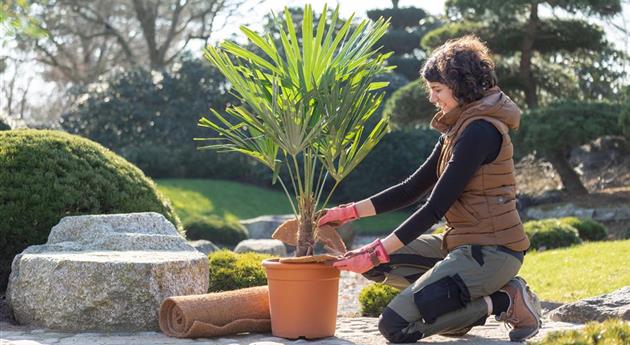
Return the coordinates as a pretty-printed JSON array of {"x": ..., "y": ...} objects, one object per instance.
[{"x": 485, "y": 213}]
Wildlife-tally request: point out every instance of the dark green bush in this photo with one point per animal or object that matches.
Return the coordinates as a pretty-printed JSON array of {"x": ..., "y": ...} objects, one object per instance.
[
  {"x": 612, "y": 331},
  {"x": 409, "y": 107},
  {"x": 395, "y": 157},
  {"x": 551, "y": 233},
  {"x": 588, "y": 229},
  {"x": 4, "y": 126},
  {"x": 215, "y": 229},
  {"x": 399, "y": 17},
  {"x": 375, "y": 297},
  {"x": 47, "y": 175},
  {"x": 579, "y": 123},
  {"x": 624, "y": 119},
  {"x": 232, "y": 271},
  {"x": 150, "y": 118}
]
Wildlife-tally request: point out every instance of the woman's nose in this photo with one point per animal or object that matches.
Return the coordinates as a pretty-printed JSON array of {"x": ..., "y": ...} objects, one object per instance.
[{"x": 432, "y": 97}]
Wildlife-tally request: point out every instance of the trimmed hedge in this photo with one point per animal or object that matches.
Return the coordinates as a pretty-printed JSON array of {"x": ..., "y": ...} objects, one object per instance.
[
  {"x": 375, "y": 297},
  {"x": 232, "y": 271},
  {"x": 588, "y": 229},
  {"x": 47, "y": 175},
  {"x": 213, "y": 228},
  {"x": 612, "y": 331},
  {"x": 551, "y": 233}
]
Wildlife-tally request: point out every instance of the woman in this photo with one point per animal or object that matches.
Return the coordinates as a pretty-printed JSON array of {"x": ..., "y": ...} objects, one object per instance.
[{"x": 453, "y": 281}]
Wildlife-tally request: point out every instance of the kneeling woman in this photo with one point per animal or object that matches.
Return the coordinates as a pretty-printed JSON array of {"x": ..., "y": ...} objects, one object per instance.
[{"x": 453, "y": 281}]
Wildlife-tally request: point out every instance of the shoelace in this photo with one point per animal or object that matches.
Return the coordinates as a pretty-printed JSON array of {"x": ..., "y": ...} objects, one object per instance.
[{"x": 508, "y": 320}]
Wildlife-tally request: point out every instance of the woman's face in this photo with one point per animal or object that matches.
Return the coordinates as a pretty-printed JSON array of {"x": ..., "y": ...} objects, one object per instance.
[{"x": 442, "y": 96}]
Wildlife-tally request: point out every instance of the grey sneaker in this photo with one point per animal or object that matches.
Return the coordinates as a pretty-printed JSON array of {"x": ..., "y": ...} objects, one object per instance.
[{"x": 523, "y": 314}]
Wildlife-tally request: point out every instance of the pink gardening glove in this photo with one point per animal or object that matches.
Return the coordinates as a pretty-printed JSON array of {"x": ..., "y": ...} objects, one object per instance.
[
  {"x": 337, "y": 216},
  {"x": 363, "y": 259}
]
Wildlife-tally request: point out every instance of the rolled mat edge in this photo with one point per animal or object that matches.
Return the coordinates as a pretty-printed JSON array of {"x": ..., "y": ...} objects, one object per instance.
[{"x": 216, "y": 314}]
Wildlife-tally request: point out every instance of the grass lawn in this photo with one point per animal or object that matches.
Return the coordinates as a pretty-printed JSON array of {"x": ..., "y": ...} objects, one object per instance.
[
  {"x": 570, "y": 274},
  {"x": 227, "y": 199}
]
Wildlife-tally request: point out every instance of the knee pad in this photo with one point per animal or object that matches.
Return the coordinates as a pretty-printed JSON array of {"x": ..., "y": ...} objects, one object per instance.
[
  {"x": 441, "y": 297},
  {"x": 392, "y": 326}
]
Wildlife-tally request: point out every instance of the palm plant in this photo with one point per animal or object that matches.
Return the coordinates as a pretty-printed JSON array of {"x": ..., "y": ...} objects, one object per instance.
[{"x": 303, "y": 105}]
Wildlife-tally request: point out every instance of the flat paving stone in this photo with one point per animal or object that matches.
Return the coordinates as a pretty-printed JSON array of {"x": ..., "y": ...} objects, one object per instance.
[{"x": 359, "y": 330}]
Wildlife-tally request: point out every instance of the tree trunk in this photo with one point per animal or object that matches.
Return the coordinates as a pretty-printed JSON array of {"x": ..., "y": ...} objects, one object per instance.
[
  {"x": 525, "y": 68},
  {"x": 306, "y": 208},
  {"x": 569, "y": 177}
]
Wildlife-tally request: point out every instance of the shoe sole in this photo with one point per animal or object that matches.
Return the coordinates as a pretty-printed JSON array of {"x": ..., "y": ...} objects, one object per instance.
[{"x": 532, "y": 309}]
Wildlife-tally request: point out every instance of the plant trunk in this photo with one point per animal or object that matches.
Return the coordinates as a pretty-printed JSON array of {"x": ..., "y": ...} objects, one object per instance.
[
  {"x": 306, "y": 208},
  {"x": 569, "y": 177}
]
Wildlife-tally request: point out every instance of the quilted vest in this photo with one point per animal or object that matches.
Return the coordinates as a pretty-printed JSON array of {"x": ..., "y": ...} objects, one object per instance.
[{"x": 485, "y": 213}]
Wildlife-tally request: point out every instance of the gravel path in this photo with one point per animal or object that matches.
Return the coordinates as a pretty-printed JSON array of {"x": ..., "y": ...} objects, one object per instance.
[{"x": 350, "y": 285}]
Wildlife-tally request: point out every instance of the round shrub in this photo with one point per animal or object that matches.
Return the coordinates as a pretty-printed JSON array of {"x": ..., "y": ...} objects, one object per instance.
[
  {"x": 375, "y": 297},
  {"x": 588, "y": 228},
  {"x": 213, "y": 228},
  {"x": 232, "y": 271},
  {"x": 551, "y": 233},
  {"x": 47, "y": 175},
  {"x": 409, "y": 107}
]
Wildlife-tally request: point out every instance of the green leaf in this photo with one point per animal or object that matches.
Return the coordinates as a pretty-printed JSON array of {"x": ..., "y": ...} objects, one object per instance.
[{"x": 309, "y": 101}]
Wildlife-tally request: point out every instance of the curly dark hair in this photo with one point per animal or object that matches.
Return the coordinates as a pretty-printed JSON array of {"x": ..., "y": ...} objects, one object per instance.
[{"x": 464, "y": 65}]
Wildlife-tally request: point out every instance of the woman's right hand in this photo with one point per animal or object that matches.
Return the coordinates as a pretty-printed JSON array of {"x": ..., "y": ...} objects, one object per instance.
[{"x": 339, "y": 215}]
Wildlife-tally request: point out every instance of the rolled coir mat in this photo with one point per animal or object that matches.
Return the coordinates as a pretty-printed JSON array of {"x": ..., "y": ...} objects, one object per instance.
[{"x": 216, "y": 314}]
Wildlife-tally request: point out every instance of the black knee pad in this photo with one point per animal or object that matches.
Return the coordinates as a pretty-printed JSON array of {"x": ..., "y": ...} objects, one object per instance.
[
  {"x": 391, "y": 326},
  {"x": 441, "y": 297}
]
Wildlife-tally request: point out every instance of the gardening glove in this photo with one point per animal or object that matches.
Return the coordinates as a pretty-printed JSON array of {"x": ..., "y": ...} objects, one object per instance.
[
  {"x": 363, "y": 259},
  {"x": 337, "y": 216}
]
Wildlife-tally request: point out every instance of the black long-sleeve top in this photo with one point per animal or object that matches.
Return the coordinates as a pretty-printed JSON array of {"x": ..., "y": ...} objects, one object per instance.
[{"x": 479, "y": 143}]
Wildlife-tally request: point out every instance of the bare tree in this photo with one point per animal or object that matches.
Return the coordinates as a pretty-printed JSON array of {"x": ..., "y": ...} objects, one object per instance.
[
  {"x": 14, "y": 92},
  {"x": 87, "y": 38}
]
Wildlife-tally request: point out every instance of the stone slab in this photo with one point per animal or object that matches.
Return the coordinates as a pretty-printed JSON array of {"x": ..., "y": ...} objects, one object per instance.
[{"x": 360, "y": 330}]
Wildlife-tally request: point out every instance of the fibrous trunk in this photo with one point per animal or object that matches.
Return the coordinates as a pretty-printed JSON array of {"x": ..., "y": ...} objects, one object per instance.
[{"x": 306, "y": 208}]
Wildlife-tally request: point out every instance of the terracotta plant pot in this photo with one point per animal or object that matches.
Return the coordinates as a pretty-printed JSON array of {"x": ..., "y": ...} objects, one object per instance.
[{"x": 302, "y": 299}]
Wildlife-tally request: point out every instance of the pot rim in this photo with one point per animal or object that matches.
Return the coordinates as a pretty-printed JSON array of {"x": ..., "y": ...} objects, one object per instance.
[{"x": 274, "y": 263}]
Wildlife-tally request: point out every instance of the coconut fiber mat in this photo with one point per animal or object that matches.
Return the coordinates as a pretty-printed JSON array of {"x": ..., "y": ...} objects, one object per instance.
[{"x": 216, "y": 314}]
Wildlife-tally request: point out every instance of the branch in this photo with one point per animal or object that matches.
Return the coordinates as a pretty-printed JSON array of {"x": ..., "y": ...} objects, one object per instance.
[
  {"x": 171, "y": 30},
  {"x": 109, "y": 29},
  {"x": 67, "y": 71},
  {"x": 24, "y": 98}
]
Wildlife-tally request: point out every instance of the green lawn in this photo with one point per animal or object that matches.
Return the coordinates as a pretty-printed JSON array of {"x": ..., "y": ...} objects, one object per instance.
[
  {"x": 227, "y": 199},
  {"x": 560, "y": 275},
  {"x": 570, "y": 274}
]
